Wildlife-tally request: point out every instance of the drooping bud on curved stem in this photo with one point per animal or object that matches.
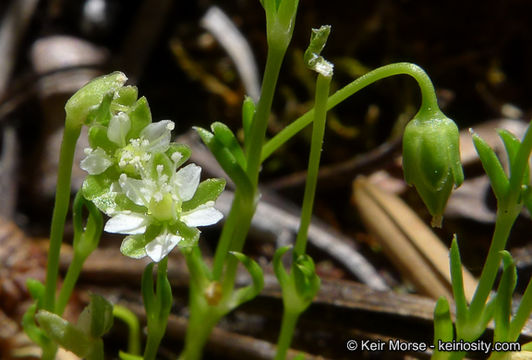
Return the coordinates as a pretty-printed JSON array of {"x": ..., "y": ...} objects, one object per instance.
[{"x": 431, "y": 159}]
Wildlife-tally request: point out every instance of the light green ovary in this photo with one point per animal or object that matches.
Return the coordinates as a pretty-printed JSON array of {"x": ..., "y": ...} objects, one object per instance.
[{"x": 164, "y": 209}]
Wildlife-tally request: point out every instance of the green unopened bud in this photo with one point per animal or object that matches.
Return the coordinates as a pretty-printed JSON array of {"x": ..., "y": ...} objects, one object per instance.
[{"x": 431, "y": 159}]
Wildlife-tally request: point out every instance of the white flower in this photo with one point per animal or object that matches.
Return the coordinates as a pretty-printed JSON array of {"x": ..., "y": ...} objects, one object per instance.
[
  {"x": 96, "y": 162},
  {"x": 162, "y": 198},
  {"x": 154, "y": 138}
]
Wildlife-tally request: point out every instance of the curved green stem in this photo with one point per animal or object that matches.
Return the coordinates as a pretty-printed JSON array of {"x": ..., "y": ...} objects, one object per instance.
[
  {"x": 318, "y": 130},
  {"x": 287, "y": 332},
  {"x": 132, "y": 322},
  {"x": 428, "y": 99},
  {"x": 62, "y": 200}
]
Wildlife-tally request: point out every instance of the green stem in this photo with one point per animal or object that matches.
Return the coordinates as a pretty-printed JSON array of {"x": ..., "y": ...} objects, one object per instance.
[
  {"x": 132, "y": 322},
  {"x": 200, "y": 323},
  {"x": 231, "y": 222},
  {"x": 62, "y": 200},
  {"x": 74, "y": 269},
  {"x": 260, "y": 121},
  {"x": 49, "y": 352},
  {"x": 318, "y": 130},
  {"x": 157, "y": 325},
  {"x": 428, "y": 99},
  {"x": 287, "y": 332},
  {"x": 503, "y": 225}
]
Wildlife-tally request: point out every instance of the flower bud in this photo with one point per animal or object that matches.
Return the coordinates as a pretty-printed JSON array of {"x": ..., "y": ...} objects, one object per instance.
[{"x": 431, "y": 159}]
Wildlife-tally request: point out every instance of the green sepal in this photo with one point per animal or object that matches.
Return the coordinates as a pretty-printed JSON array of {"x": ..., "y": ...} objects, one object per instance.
[
  {"x": 90, "y": 95},
  {"x": 96, "y": 319},
  {"x": 443, "y": 324},
  {"x": 190, "y": 234},
  {"x": 102, "y": 114},
  {"x": 64, "y": 333},
  {"x": 126, "y": 96},
  {"x": 228, "y": 139},
  {"x": 492, "y": 166},
  {"x": 164, "y": 160},
  {"x": 140, "y": 116},
  {"x": 257, "y": 280},
  {"x": 248, "y": 112},
  {"x": 306, "y": 280},
  {"x": 226, "y": 160},
  {"x": 458, "y": 282},
  {"x": 504, "y": 298},
  {"x": 126, "y": 356},
  {"x": 208, "y": 190},
  {"x": 98, "y": 139},
  {"x": 133, "y": 246},
  {"x": 278, "y": 266},
  {"x": 184, "y": 150}
]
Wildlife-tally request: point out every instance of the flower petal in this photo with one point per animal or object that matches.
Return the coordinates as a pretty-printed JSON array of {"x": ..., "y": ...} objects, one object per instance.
[
  {"x": 203, "y": 215},
  {"x": 124, "y": 223},
  {"x": 118, "y": 128},
  {"x": 158, "y": 135},
  {"x": 161, "y": 246},
  {"x": 186, "y": 181},
  {"x": 96, "y": 162},
  {"x": 136, "y": 190}
]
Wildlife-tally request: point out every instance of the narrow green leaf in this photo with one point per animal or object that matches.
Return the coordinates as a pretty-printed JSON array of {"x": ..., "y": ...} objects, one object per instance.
[
  {"x": 249, "y": 292},
  {"x": 226, "y": 160},
  {"x": 228, "y": 139},
  {"x": 522, "y": 314},
  {"x": 458, "y": 282},
  {"x": 512, "y": 143},
  {"x": 31, "y": 329},
  {"x": 125, "y": 356},
  {"x": 504, "y": 298},
  {"x": 492, "y": 166},
  {"x": 443, "y": 325}
]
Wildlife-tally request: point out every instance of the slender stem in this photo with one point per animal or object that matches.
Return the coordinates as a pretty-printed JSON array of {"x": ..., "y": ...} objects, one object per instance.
[
  {"x": 157, "y": 325},
  {"x": 49, "y": 352},
  {"x": 260, "y": 121},
  {"x": 287, "y": 332},
  {"x": 132, "y": 322},
  {"x": 428, "y": 98},
  {"x": 232, "y": 221},
  {"x": 503, "y": 225},
  {"x": 62, "y": 199},
  {"x": 74, "y": 269},
  {"x": 318, "y": 130}
]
